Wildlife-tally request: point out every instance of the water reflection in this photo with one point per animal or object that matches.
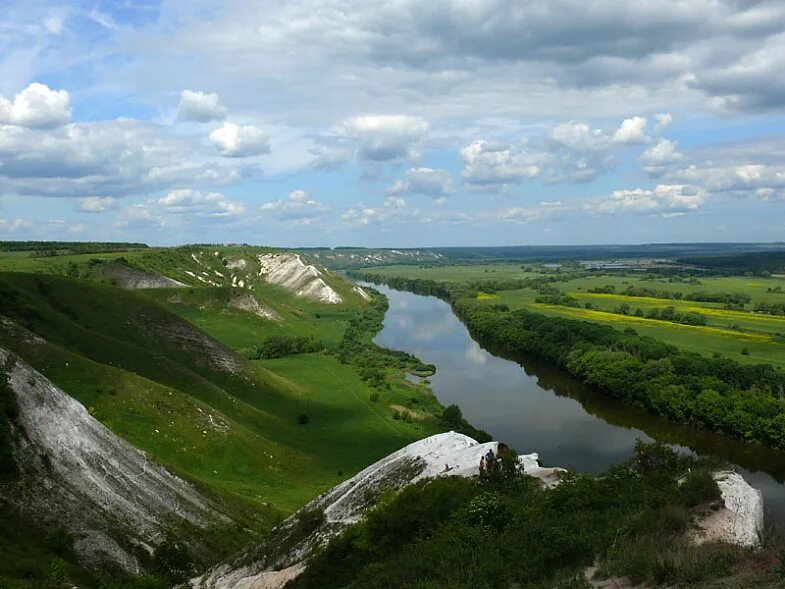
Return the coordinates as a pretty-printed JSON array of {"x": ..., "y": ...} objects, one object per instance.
[{"x": 537, "y": 408}]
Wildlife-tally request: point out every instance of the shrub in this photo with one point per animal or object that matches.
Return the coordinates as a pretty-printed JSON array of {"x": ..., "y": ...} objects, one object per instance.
[
  {"x": 278, "y": 346},
  {"x": 698, "y": 487}
]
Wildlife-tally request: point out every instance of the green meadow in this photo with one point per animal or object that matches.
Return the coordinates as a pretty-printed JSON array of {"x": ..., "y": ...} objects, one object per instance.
[
  {"x": 141, "y": 364},
  {"x": 727, "y": 332},
  {"x": 457, "y": 272}
]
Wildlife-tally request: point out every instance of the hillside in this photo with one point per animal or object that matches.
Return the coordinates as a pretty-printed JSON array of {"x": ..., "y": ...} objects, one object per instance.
[
  {"x": 244, "y": 267},
  {"x": 80, "y": 476},
  {"x": 167, "y": 370}
]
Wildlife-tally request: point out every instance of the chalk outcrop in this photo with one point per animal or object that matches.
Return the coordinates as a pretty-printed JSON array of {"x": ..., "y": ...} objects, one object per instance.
[
  {"x": 289, "y": 271},
  {"x": 133, "y": 278},
  {"x": 448, "y": 454},
  {"x": 79, "y": 475},
  {"x": 247, "y": 302},
  {"x": 740, "y": 520}
]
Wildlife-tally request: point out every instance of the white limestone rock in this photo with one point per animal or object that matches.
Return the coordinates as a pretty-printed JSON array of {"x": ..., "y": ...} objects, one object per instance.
[
  {"x": 740, "y": 521},
  {"x": 288, "y": 270},
  {"x": 81, "y": 476},
  {"x": 447, "y": 454}
]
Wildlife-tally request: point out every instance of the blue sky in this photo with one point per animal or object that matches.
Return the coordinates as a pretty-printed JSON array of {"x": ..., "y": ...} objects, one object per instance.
[{"x": 410, "y": 123}]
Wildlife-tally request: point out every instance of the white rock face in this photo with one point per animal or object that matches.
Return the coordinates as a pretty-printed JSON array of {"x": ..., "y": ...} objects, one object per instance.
[
  {"x": 363, "y": 295},
  {"x": 305, "y": 280},
  {"x": 448, "y": 454},
  {"x": 127, "y": 277},
  {"x": 236, "y": 264},
  {"x": 247, "y": 302},
  {"x": 81, "y": 476},
  {"x": 740, "y": 522}
]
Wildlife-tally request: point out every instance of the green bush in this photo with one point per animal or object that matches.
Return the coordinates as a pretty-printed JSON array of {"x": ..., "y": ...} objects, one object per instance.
[
  {"x": 452, "y": 532},
  {"x": 278, "y": 346},
  {"x": 699, "y": 487}
]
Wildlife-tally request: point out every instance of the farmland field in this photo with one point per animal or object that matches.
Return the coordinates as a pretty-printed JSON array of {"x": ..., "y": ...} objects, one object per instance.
[{"x": 727, "y": 332}]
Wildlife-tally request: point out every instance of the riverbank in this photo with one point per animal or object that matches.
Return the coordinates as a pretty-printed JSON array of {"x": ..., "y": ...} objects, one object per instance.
[
  {"x": 530, "y": 404},
  {"x": 718, "y": 394},
  {"x": 451, "y": 525}
]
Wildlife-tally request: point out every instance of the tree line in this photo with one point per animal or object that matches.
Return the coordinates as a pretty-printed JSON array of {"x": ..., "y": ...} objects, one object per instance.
[{"x": 718, "y": 394}]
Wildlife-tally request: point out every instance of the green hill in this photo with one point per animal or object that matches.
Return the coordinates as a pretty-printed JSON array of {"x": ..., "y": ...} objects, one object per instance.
[{"x": 167, "y": 369}]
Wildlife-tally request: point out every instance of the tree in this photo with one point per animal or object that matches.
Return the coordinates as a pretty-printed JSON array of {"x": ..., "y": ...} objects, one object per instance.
[{"x": 452, "y": 414}]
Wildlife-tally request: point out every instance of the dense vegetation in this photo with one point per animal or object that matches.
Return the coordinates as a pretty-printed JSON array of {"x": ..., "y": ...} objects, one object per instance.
[
  {"x": 374, "y": 362},
  {"x": 508, "y": 531},
  {"x": 760, "y": 263},
  {"x": 357, "y": 347},
  {"x": 44, "y": 248},
  {"x": 719, "y": 394},
  {"x": 278, "y": 346}
]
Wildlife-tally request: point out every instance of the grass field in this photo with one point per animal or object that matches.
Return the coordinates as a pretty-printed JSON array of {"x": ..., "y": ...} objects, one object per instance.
[
  {"x": 727, "y": 332},
  {"x": 153, "y": 379},
  {"x": 192, "y": 265},
  {"x": 456, "y": 273}
]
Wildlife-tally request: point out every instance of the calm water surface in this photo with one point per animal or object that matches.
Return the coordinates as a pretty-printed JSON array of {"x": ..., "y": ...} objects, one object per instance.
[{"x": 537, "y": 408}]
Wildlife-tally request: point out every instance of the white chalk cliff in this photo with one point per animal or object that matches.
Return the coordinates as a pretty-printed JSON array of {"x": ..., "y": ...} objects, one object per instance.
[
  {"x": 447, "y": 454},
  {"x": 740, "y": 520},
  {"x": 289, "y": 271},
  {"x": 79, "y": 475}
]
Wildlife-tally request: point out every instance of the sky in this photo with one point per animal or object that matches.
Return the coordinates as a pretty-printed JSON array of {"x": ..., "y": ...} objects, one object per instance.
[{"x": 397, "y": 124}]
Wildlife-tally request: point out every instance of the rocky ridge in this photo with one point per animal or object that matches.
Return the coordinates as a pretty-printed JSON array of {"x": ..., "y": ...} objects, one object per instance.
[{"x": 76, "y": 474}]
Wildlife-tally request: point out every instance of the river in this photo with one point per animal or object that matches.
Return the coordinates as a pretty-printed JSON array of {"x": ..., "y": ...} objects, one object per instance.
[{"x": 535, "y": 407}]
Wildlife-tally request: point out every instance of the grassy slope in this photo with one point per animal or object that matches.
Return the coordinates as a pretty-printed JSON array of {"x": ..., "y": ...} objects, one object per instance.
[
  {"x": 717, "y": 337},
  {"x": 234, "y": 435}
]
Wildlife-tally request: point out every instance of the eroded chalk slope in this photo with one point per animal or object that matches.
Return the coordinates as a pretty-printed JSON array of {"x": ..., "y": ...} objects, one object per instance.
[{"x": 76, "y": 474}]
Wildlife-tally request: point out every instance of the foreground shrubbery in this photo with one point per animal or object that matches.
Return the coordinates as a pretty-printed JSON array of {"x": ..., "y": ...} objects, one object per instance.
[{"x": 510, "y": 532}]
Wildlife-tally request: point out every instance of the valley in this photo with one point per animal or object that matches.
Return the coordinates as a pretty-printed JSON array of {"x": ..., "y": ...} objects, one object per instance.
[
  {"x": 168, "y": 370},
  {"x": 260, "y": 382}
]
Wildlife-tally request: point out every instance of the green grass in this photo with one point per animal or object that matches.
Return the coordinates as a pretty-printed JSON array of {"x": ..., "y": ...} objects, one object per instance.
[
  {"x": 717, "y": 337},
  {"x": 234, "y": 435},
  {"x": 196, "y": 266},
  {"x": 457, "y": 272},
  {"x": 727, "y": 332},
  {"x": 209, "y": 309}
]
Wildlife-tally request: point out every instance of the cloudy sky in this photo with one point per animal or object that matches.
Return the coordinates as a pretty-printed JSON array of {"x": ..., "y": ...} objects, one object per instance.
[{"x": 403, "y": 123}]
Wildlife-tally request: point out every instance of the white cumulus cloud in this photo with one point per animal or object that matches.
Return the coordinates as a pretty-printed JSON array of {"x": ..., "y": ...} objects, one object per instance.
[
  {"x": 427, "y": 181},
  {"x": 199, "y": 106},
  {"x": 96, "y": 204},
  {"x": 240, "y": 141},
  {"x": 199, "y": 204},
  {"x": 631, "y": 131},
  {"x": 36, "y": 106},
  {"x": 665, "y": 200},
  {"x": 494, "y": 166},
  {"x": 139, "y": 216},
  {"x": 298, "y": 208},
  {"x": 383, "y": 138}
]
